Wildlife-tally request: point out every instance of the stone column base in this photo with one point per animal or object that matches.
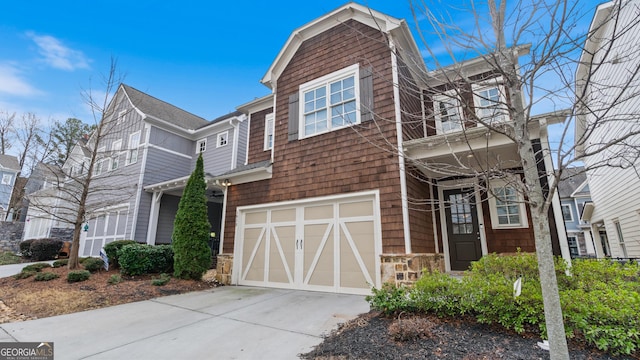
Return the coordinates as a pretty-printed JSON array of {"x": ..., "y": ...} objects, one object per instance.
[
  {"x": 223, "y": 268},
  {"x": 408, "y": 268}
]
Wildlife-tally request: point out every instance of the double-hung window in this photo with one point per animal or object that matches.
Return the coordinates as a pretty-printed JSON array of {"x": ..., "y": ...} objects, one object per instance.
[
  {"x": 506, "y": 205},
  {"x": 567, "y": 214},
  {"x": 223, "y": 139},
  {"x": 134, "y": 142},
  {"x": 330, "y": 102},
  {"x": 490, "y": 102},
  {"x": 115, "y": 154},
  {"x": 99, "y": 166},
  {"x": 201, "y": 146},
  {"x": 623, "y": 246},
  {"x": 447, "y": 113},
  {"x": 268, "y": 132}
]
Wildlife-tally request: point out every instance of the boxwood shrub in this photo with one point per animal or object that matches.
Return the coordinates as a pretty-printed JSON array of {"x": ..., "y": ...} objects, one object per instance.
[
  {"x": 37, "y": 267},
  {"x": 78, "y": 275},
  {"x": 112, "y": 251},
  {"x": 25, "y": 248},
  {"x": 93, "y": 264},
  {"x": 45, "y": 276},
  {"x": 138, "y": 259},
  {"x": 45, "y": 249}
]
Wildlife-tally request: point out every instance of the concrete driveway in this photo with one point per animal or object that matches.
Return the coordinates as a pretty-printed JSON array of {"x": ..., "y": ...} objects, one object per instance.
[{"x": 223, "y": 323}]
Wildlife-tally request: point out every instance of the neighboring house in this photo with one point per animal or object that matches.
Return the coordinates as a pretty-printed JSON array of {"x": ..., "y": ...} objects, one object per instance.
[
  {"x": 573, "y": 190},
  {"x": 614, "y": 180},
  {"x": 143, "y": 163},
  {"x": 9, "y": 170},
  {"x": 325, "y": 202}
]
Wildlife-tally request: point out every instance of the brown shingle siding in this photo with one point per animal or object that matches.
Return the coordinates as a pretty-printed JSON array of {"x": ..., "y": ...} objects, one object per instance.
[{"x": 256, "y": 137}]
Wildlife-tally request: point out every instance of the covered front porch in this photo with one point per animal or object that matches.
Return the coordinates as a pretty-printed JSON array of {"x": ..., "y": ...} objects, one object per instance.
[{"x": 475, "y": 181}]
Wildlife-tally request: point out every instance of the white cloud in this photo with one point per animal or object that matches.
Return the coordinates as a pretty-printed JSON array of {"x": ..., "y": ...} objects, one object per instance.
[
  {"x": 12, "y": 83},
  {"x": 57, "y": 55}
]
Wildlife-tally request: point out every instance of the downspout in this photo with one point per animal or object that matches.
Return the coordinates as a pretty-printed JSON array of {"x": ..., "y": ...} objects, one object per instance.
[
  {"x": 399, "y": 140},
  {"x": 223, "y": 220},
  {"x": 433, "y": 219}
]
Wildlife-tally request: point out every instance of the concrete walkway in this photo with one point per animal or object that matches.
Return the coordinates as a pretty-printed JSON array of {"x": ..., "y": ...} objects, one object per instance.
[
  {"x": 10, "y": 270},
  {"x": 224, "y": 323}
]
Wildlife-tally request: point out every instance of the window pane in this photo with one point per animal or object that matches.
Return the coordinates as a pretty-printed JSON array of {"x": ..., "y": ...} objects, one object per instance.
[
  {"x": 308, "y": 106},
  {"x": 348, "y": 82},
  {"x": 501, "y": 210},
  {"x": 336, "y": 98},
  {"x": 308, "y": 96},
  {"x": 514, "y": 219},
  {"x": 321, "y": 92},
  {"x": 336, "y": 87},
  {"x": 503, "y": 220},
  {"x": 349, "y": 94}
]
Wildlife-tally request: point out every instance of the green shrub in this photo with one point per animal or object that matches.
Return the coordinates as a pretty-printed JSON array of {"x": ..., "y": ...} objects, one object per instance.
[
  {"x": 93, "y": 264},
  {"x": 191, "y": 228},
  {"x": 45, "y": 249},
  {"x": 390, "y": 299},
  {"x": 161, "y": 281},
  {"x": 8, "y": 258},
  {"x": 440, "y": 294},
  {"x": 24, "y": 274},
  {"x": 138, "y": 259},
  {"x": 111, "y": 249},
  {"x": 37, "y": 267},
  {"x": 60, "y": 263},
  {"x": 25, "y": 248},
  {"x": 114, "y": 279},
  {"x": 78, "y": 275},
  {"x": 45, "y": 276}
]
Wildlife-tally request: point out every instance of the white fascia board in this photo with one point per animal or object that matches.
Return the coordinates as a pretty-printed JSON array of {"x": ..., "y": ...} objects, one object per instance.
[
  {"x": 256, "y": 105},
  {"x": 242, "y": 177},
  {"x": 190, "y": 133},
  {"x": 346, "y": 12}
]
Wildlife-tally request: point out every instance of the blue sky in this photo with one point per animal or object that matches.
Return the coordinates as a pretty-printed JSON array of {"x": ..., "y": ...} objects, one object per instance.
[{"x": 206, "y": 57}]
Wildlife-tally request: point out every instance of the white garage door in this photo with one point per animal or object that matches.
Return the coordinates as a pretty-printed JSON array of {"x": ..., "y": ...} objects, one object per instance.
[
  {"x": 103, "y": 229},
  {"x": 331, "y": 246}
]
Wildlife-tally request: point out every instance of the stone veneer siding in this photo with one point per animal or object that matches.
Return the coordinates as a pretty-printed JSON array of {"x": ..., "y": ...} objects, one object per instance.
[{"x": 10, "y": 235}]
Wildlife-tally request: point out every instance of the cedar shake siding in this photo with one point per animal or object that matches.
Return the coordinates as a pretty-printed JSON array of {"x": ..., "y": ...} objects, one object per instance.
[
  {"x": 257, "y": 153},
  {"x": 420, "y": 217},
  {"x": 338, "y": 162}
]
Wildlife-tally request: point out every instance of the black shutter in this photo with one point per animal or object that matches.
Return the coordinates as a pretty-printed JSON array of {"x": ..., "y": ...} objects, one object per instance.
[
  {"x": 293, "y": 116},
  {"x": 366, "y": 94}
]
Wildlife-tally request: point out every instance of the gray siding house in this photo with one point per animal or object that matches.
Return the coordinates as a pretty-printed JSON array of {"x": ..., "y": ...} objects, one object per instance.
[
  {"x": 144, "y": 162},
  {"x": 574, "y": 194},
  {"x": 9, "y": 170}
]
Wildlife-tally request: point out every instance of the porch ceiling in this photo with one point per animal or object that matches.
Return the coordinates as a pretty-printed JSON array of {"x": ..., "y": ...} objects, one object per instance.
[
  {"x": 463, "y": 153},
  {"x": 176, "y": 186}
]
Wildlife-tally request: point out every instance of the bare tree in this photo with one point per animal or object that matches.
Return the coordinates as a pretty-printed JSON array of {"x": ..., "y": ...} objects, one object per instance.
[
  {"x": 89, "y": 179},
  {"x": 531, "y": 49},
  {"x": 6, "y": 131}
]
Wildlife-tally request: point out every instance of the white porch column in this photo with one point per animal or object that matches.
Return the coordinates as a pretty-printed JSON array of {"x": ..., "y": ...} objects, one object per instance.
[{"x": 153, "y": 217}]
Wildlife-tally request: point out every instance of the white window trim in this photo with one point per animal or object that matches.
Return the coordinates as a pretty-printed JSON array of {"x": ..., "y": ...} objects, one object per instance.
[
  {"x": 334, "y": 76},
  {"x": 621, "y": 244},
  {"x": 99, "y": 166},
  {"x": 437, "y": 99},
  {"x": 493, "y": 211},
  {"x": 570, "y": 212},
  {"x": 199, "y": 143},
  {"x": 121, "y": 116},
  {"x": 226, "y": 137},
  {"x": 116, "y": 146},
  {"x": 492, "y": 83},
  {"x": 131, "y": 149},
  {"x": 267, "y": 118},
  {"x": 5, "y": 176}
]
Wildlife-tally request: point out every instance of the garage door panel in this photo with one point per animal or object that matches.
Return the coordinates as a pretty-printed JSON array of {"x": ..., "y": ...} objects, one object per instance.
[
  {"x": 319, "y": 256},
  {"x": 353, "y": 209},
  {"x": 353, "y": 270},
  {"x": 255, "y": 218},
  {"x": 363, "y": 234},
  {"x": 253, "y": 254},
  {"x": 318, "y": 212},
  {"x": 286, "y": 215},
  {"x": 282, "y": 254}
]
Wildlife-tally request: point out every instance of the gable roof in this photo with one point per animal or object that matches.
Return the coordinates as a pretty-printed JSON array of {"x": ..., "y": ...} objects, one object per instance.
[
  {"x": 162, "y": 110},
  {"x": 9, "y": 162},
  {"x": 377, "y": 20},
  {"x": 572, "y": 179}
]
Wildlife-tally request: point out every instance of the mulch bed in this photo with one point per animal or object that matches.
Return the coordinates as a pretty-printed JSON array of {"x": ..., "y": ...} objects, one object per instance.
[{"x": 373, "y": 336}]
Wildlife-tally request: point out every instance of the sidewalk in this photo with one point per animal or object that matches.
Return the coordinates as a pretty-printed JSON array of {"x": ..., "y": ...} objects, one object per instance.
[{"x": 10, "y": 270}]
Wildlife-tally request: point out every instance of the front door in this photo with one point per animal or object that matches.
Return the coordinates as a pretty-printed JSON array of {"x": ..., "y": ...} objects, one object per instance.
[{"x": 462, "y": 228}]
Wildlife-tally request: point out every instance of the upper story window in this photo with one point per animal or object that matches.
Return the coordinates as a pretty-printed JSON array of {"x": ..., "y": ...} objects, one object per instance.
[
  {"x": 567, "y": 214},
  {"x": 201, "y": 146},
  {"x": 447, "y": 113},
  {"x": 134, "y": 142},
  {"x": 490, "y": 102},
  {"x": 122, "y": 116},
  {"x": 223, "y": 139},
  {"x": 268, "y": 131},
  {"x": 506, "y": 206},
  {"x": 330, "y": 102},
  {"x": 99, "y": 166},
  {"x": 6, "y": 179},
  {"x": 115, "y": 154}
]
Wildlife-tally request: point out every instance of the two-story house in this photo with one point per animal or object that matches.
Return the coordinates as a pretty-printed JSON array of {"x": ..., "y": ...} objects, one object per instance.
[
  {"x": 607, "y": 128},
  {"x": 9, "y": 170},
  {"x": 332, "y": 196},
  {"x": 573, "y": 190},
  {"x": 144, "y": 161}
]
